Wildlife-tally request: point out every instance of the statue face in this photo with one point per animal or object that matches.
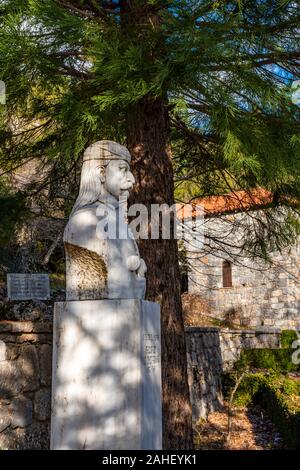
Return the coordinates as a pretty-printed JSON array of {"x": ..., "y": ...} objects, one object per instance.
[{"x": 118, "y": 178}]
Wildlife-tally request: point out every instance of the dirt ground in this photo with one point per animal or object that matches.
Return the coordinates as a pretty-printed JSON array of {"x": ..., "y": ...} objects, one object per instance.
[{"x": 251, "y": 430}]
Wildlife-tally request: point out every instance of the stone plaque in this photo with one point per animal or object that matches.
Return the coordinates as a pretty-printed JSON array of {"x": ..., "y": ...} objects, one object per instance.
[{"x": 28, "y": 286}]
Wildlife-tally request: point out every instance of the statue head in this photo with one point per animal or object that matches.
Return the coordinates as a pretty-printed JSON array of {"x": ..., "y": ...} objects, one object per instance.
[{"x": 105, "y": 171}]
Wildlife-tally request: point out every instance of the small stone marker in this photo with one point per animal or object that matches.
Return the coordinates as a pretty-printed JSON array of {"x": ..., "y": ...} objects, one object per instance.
[{"x": 28, "y": 286}]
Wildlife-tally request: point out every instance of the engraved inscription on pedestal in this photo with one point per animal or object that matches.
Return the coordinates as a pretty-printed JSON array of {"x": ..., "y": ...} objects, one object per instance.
[
  {"x": 151, "y": 351},
  {"x": 28, "y": 286}
]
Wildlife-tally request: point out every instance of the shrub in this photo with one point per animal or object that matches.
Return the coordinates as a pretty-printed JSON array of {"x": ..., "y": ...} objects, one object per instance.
[
  {"x": 281, "y": 400},
  {"x": 287, "y": 337},
  {"x": 278, "y": 395},
  {"x": 279, "y": 360}
]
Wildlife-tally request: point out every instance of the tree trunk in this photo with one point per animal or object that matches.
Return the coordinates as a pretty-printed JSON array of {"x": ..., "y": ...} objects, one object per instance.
[{"x": 148, "y": 142}]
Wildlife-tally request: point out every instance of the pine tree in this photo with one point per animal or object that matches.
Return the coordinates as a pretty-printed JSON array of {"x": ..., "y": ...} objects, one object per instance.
[{"x": 206, "y": 79}]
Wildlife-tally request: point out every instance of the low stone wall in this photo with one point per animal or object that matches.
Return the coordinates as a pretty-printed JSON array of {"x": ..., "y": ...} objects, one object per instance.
[
  {"x": 232, "y": 342},
  {"x": 204, "y": 370},
  {"x": 213, "y": 351},
  {"x": 25, "y": 384},
  {"x": 26, "y": 362}
]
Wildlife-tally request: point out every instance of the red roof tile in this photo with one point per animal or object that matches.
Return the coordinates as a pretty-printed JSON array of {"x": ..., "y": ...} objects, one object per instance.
[{"x": 235, "y": 201}]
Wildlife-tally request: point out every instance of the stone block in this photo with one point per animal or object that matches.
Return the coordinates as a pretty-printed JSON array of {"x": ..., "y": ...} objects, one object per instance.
[
  {"x": 21, "y": 412},
  {"x": 22, "y": 327},
  {"x": 33, "y": 437},
  {"x": 5, "y": 326},
  {"x": 10, "y": 383},
  {"x": 5, "y": 416},
  {"x": 27, "y": 338},
  {"x": 45, "y": 359},
  {"x": 12, "y": 351},
  {"x": 46, "y": 327},
  {"x": 42, "y": 404},
  {"x": 269, "y": 321},
  {"x": 276, "y": 293},
  {"x": 28, "y": 366}
]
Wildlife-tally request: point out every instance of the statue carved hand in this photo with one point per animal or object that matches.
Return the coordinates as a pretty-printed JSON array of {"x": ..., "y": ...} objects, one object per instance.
[{"x": 135, "y": 263}]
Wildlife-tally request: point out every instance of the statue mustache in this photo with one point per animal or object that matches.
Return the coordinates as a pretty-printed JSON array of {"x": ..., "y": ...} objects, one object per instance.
[{"x": 126, "y": 186}]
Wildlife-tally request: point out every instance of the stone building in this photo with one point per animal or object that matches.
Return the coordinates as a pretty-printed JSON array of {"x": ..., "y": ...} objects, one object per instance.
[{"x": 233, "y": 287}]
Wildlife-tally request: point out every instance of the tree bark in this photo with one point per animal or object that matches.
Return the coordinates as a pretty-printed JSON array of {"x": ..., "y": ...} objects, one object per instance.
[{"x": 148, "y": 142}]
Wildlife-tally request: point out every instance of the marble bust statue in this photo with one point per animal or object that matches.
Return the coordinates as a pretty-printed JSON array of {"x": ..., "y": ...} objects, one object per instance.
[{"x": 101, "y": 263}]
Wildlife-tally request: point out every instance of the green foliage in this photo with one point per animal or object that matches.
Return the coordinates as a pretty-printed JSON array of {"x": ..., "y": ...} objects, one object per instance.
[
  {"x": 280, "y": 397},
  {"x": 58, "y": 281},
  {"x": 12, "y": 209},
  {"x": 183, "y": 262},
  {"x": 272, "y": 359},
  {"x": 279, "y": 360},
  {"x": 248, "y": 387},
  {"x": 287, "y": 337},
  {"x": 76, "y": 71},
  {"x": 274, "y": 362},
  {"x": 284, "y": 410}
]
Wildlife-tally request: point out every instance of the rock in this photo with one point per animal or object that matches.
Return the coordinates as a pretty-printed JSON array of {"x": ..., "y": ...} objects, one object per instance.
[
  {"x": 12, "y": 351},
  {"x": 45, "y": 327},
  {"x": 21, "y": 409},
  {"x": 5, "y": 416},
  {"x": 10, "y": 383},
  {"x": 5, "y": 326},
  {"x": 22, "y": 327},
  {"x": 37, "y": 437},
  {"x": 31, "y": 310},
  {"x": 33, "y": 437},
  {"x": 28, "y": 365},
  {"x": 42, "y": 404}
]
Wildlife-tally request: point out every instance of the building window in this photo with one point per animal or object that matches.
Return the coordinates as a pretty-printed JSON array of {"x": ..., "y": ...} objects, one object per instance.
[
  {"x": 184, "y": 283},
  {"x": 227, "y": 274}
]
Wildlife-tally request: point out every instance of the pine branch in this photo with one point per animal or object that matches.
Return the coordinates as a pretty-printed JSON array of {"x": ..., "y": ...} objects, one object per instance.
[
  {"x": 251, "y": 61},
  {"x": 97, "y": 14},
  {"x": 71, "y": 72},
  {"x": 16, "y": 167},
  {"x": 271, "y": 58},
  {"x": 251, "y": 29},
  {"x": 53, "y": 180},
  {"x": 82, "y": 13}
]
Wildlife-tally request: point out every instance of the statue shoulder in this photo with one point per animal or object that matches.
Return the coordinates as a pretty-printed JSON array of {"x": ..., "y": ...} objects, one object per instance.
[{"x": 82, "y": 224}]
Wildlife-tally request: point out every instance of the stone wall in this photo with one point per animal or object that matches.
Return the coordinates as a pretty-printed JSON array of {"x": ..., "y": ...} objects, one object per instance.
[
  {"x": 204, "y": 370},
  {"x": 25, "y": 375},
  {"x": 261, "y": 294},
  {"x": 26, "y": 362},
  {"x": 212, "y": 351},
  {"x": 232, "y": 342}
]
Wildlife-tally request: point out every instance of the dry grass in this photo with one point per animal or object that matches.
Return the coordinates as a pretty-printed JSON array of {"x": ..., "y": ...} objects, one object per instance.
[{"x": 251, "y": 430}]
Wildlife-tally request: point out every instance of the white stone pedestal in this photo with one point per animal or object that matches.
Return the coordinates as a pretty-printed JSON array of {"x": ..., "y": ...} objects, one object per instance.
[{"x": 106, "y": 384}]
